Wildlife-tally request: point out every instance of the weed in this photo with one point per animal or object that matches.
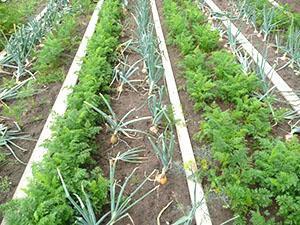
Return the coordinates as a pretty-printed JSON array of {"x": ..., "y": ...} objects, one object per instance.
[{"x": 5, "y": 184}]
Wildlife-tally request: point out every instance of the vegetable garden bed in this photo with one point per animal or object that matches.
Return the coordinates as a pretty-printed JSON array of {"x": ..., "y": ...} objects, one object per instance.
[
  {"x": 221, "y": 155},
  {"x": 119, "y": 152}
]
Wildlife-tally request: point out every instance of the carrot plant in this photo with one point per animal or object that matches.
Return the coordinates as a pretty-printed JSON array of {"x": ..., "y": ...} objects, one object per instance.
[
  {"x": 73, "y": 139},
  {"x": 53, "y": 54},
  {"x": 248, "y": 164}
]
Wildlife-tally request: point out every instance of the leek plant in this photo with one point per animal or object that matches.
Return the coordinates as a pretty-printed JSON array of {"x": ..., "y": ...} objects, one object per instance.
[
  {"x": 268, "y": 24},
  {"x": 233, "y": 43},
  {"x": 293, "y": 46},
  {"x": 260, "y": 71},
  {"x": 119, "y": 203},
  {"x": 247, "y": 12},
  {"x": 8, "y": 138},
  {"x": 115, "y": 125},
  {"x": 245, "y": 61},
  {"x": 147, "y": 45},
  {"x": 164, "y": 150},
  {"x": 22, "y": 42}
]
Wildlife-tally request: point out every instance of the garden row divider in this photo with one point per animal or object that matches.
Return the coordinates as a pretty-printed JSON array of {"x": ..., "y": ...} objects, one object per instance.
[
  {"x": 285, "y": 90},
  {"x": 38, "y": 17},
  {"x": 60, "y": 105},
  {"x": 202, "y": 215}
]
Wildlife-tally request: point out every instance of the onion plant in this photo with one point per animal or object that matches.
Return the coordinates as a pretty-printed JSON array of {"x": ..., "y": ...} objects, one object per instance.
[
  {"x": 131, "y": 156},
  {"x": 268, "y": 24},
  {"x": 119, "y": 202},
  {"x": 9, "y": 136},
  {"x": 157, "y": 109},
  {"x": 164, "y": 150},
  {"x": 122, "y": 74},
  {"x": 115, "y": 125}
]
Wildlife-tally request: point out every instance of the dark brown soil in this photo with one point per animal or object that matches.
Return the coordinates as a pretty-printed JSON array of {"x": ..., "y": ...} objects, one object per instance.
[
  {"x": 35, "y": 112},
  {"x": 175, "y": 190},
  {"x": 294, "y": 4}
]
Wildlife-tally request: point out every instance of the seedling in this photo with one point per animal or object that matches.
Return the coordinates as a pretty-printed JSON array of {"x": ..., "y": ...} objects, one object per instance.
[
  {"x": 164, "y": 150},
  {"x": 8, "y": 138},
  {"x": 118, "y": 126}
]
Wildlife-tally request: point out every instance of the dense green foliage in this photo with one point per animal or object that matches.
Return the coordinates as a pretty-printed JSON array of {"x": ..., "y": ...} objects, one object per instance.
[
  {"x": 260, "y": 174},
  {"x": 53, "y": 56},
  {"x": 73, "y": 139},
  {"x": 13, "y": 13}
]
